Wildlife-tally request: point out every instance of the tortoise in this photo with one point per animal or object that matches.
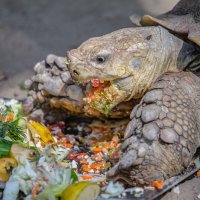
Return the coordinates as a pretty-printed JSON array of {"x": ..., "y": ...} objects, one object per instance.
[{"x": 155, "y": 66}]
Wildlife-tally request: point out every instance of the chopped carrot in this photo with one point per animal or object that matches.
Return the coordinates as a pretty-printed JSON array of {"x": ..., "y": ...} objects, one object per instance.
[
  {"x": 10, "y": 117},
  {"x": 71, "y": 156},
  {"x": 97, "y": 156},
  {"x": 87, "y": 177},
  {"x": 106, "y": 146},
  {"x": 76, "y": 156},
  {"x": 198, "y": 173},
  {"x": 159, "y": 184},
  {"x": 68, "y": 145},
  {"x": 96, "y": 165},
  {"x": 113, "y": 144},
  {"x": 99, "y": 89},
  {"x": 83, "y": 161},
  {"x": 35, "y": 190},
  {"x": 85, "y": 168},
  {"x": 97, "y": 149}
]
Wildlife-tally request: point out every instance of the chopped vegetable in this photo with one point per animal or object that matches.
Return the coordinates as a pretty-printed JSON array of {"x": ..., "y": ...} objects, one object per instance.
[
  {"x": 57, "y": 184},
  {"x": 159, "y": 184},
  {"x": 6, "y": 165},
  {"x": 20, "y": 153},
  {"x": 11, "y": 190},
  {"x": 74, "y": 176},
  {"x": 87, "y": 177},
  {"x": 198, "y": 173},
  {"x": 58, "y": 161},
  {"x": 5, "y": 146},
  {"x": 81, "y": 191},
  {"x": 40, "y": 130},
  {"x": 10, "y": 114},
  {"x": 11, "y": 129},
  {"x": 112, "y": 190},
  {"x": 95, "y": 82}
]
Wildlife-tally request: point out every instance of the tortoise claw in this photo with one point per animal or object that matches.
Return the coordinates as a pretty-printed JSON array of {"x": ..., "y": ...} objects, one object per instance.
[{"x": 52, "y": 87}]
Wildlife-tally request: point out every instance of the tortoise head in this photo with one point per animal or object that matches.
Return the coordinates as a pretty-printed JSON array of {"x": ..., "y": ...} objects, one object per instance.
[{"x": 129, "y": 59}]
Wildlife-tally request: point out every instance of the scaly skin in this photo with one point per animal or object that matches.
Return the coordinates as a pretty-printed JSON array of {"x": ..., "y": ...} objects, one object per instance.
[
  {"x": 131, "y": 59},
  {"x": 164, "y": 131}
]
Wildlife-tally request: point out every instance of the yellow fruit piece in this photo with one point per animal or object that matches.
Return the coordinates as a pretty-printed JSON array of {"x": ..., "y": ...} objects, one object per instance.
[
  {"x": 6, "y": 165},
  {"x": 81, "y": 191},
  {"x": 20, "y": 153},
  {"x": 41, "y": 130}
]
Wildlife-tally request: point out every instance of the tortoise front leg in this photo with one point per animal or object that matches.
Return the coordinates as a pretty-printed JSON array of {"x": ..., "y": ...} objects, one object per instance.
[
  {"x": 51, "y": 89},
  {"x": 163, "y": 133}
]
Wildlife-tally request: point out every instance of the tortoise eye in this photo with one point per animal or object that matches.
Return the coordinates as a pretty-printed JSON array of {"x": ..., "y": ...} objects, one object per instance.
[{"x": 100, "y": 59}]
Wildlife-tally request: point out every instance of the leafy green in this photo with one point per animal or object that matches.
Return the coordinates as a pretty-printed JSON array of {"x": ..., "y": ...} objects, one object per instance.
[
  {"x": 10, "y": 126},
  {"x": 54, "y": 190},
  {"x": 5, "y": 146},
  {"x": 11, "y": 129},
  {"x": 74, "y": 176}
]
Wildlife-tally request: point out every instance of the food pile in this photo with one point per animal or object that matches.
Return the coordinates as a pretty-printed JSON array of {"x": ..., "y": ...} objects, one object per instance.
[
  {"x": 52, "y": 161},
  {"x": 67, "y": 160}
]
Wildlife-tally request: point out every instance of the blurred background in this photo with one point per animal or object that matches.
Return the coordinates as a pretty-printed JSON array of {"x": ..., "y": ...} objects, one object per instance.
[{"x": 29, "y": 30}]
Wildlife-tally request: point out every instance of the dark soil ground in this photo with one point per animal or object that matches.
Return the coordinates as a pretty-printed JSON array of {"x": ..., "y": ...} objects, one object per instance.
[{"x": 29, "y": 30}]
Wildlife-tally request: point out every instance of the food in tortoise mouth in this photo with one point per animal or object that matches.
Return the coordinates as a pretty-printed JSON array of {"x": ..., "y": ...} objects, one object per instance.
[{"x": 149, "y": 64}]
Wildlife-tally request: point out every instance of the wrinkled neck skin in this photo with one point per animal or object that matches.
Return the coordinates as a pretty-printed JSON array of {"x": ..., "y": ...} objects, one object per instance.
[
  {"x": 150, "y": 58},
  {"x": 163, "y": 50}
]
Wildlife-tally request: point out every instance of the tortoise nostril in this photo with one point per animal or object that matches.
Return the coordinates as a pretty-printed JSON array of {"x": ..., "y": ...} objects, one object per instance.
[{"x": 75, "y": 72}]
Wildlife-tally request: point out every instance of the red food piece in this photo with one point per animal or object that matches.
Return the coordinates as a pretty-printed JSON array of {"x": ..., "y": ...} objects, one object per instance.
[
  {"x": 76, "y": 156},
  {"x": 95, "y": 83}
]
